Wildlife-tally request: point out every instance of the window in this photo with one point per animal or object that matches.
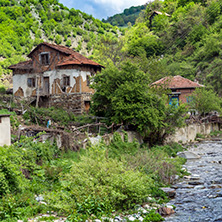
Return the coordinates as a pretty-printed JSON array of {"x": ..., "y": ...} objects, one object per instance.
[
  {"x": 88, "y": 80},
  {"x": 66, "y": 81},
  {"x": 44, "y": 58},
  {"x": 31, "y": 82},
  {"x": 189, "y": 99},
  {"x": 174, "y": 100}
]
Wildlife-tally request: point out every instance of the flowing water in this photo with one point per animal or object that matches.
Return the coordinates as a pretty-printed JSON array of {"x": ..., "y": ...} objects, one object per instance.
[{"x": 199, "y": 196}]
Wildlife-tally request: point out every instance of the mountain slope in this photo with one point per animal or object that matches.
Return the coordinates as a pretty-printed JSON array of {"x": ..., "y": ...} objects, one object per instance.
[
  {"x": 128, "y": 15},
  {"x": 26, "y": 23}
]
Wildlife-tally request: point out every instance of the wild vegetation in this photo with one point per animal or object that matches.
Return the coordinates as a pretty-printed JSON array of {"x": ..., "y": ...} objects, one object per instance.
[
  {"x": 99, "y": 181},
  {"x": 105, "y": 180}
]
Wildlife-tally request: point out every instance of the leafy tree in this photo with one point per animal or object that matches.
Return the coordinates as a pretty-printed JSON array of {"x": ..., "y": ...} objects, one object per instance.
[
  {"x": 125, "y": 97},
  {"x": 139, "y": 41},
  {"x": 205, "y": 101}
]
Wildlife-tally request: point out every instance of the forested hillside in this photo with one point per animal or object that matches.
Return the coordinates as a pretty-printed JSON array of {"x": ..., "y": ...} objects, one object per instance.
[
  {"x": 128, "y": 15},
  {"x": 185, "y": 39},
  {"x": 26, "y": 23}
]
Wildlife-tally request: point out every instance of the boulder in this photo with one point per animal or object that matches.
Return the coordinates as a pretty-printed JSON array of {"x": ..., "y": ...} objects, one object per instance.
[
  {"x": 165, "y": 211},
  {"x": 188, "y": 155},
  {"x": 169, "y": 191}
]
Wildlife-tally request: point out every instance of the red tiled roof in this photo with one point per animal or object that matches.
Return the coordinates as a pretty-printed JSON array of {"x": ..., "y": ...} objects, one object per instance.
[
  {"x": 74, "y": 57},
  {"x": 22, "y": 65},
  {"x": 77, "y": 59},
  {"x": 176, "y": 82},
  {"x": 60, "y": 48}
]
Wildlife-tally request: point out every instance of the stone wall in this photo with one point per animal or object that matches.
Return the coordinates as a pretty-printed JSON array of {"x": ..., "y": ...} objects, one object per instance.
[
  {"x": 74, "y": 102},
  {"x": 189, "y": 132}
]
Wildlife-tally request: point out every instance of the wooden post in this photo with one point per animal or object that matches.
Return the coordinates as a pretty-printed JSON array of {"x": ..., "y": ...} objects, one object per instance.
[{"x": 37, "y": 99}]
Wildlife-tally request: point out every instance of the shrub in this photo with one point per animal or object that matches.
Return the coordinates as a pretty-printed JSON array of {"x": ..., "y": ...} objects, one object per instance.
[
  {"x": 58, "y": 39},
  {"x": 55, "y": 114},
  {"x": 97, "y": 176},
  {"x": 156, "y": 163},
  {"x": 153, "y": 217},
  {"x": 68, "y": 43},
  {"x": 2, "y": 89}
]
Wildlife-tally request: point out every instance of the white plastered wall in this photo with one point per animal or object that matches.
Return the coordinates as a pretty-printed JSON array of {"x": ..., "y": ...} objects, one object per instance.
[
  {"x": 58, "y": 74},
  {"x": 5, "y": 132},
  {"x": 21, "y": 80}
]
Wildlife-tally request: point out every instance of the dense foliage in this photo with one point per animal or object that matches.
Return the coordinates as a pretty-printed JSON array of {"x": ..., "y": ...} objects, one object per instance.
[
  {"x": 82, "y": 185},
  {"x": 185, "y": 41},
  {"x": 128, "y": 16},
  {"x": 205, "y": 101},
  {"x": 124, "y": 96}
]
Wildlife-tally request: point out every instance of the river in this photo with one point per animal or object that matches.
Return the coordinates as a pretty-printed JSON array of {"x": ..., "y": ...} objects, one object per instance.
[{"x": 199, "y": 196}]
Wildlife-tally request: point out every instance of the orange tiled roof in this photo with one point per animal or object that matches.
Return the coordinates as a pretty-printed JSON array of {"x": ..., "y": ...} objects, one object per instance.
[
  {"x": 77, "y": 59},
  {"x": 176, "y": 82},
  {"x": 60, "y": 48},
  {"x": 72, "y": 58},
  {"x": 22, "y": 65}
]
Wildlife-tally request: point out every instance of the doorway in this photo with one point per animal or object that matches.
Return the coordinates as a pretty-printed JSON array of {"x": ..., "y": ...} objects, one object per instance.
[{"x": 46, "y": 85}]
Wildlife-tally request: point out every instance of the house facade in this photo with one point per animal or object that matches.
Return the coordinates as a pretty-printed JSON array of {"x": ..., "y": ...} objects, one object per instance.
[
  {"x": 5, "y": 130},
  {"x": 55, "y": 73},
  {"x": 180, "y": 87}
]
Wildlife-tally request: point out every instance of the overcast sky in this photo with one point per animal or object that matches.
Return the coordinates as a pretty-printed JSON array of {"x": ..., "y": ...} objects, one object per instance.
[{"x": 101, "y": 8}]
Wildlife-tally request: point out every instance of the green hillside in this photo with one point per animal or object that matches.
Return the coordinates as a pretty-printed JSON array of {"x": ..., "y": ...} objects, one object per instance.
[
  {"x": 128, "y": 15},
  {"x": 26, "y": 23},
  {"x": 184, "y": 40}
]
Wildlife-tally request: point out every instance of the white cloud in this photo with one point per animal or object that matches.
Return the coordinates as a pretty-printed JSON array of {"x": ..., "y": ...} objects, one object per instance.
[
  {"x": 102, "y": 8},
  {"x": 120, "y": 5}
]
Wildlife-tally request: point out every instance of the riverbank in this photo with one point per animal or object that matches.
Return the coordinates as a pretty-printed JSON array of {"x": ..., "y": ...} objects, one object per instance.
[{"x": 199, "y": 196}]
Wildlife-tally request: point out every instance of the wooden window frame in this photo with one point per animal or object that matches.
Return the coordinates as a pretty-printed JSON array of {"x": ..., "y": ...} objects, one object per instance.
[
  {"x": 31, "y": 82},
  {"x": 44, "y": 58},
  {"x": 66, "y": 80}
]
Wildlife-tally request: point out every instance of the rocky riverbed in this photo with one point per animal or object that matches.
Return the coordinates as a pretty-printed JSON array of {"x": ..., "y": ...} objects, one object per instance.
[{"x": 199, "y": 197}]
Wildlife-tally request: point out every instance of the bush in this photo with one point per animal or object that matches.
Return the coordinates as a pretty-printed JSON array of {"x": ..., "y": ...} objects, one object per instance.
[
  {"x": 2, "y": 89},
  {"x": 58, "y": 39},
  {"x": 153, "y": 217},
  {"x": 43, "y": 114},
  {"x": 97, "y": 176},
  {"x": 68, "y": 43}
]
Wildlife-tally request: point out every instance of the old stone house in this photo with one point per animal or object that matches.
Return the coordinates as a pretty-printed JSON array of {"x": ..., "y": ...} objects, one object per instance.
[
  {"x": 55, "y": 75},
  {"x": 180, "y": 88},
  {"x": 5, "y": 130}
]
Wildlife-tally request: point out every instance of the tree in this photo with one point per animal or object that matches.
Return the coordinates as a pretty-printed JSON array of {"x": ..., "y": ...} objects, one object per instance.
[
  {"x": 124, "y": 96},
  {"x": 205, "y": 101}
]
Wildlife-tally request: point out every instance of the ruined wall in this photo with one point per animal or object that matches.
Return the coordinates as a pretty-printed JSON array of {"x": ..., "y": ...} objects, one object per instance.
[
  {"x": 73, "y": 102},
  {"x": 189, "y": 132},
  {"x": 77, "y": 80},
  {"x": 20, "y": 86},
  {"x": 5, "y": 131}
]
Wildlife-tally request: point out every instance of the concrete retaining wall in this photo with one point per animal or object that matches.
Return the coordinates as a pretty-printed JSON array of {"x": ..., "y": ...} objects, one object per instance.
[{"x": 189, "y": 132}]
